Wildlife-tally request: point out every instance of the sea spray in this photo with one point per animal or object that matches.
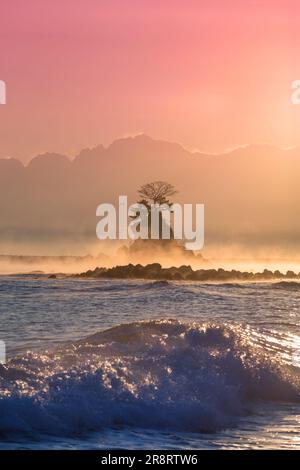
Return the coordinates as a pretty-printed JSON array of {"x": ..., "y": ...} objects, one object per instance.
[{"x": 158, "y": 374}]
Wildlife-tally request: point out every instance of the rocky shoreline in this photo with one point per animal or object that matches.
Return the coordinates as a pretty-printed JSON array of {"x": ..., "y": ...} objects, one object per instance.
[{"x": 155, "y": 271}]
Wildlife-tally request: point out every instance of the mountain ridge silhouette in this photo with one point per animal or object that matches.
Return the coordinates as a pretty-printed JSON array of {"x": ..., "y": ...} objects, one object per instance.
[{"x": 251, "y": 193}]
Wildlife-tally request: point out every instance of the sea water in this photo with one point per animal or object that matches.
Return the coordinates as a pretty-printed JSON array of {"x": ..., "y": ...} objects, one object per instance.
[{"x": 151, "y": 365}]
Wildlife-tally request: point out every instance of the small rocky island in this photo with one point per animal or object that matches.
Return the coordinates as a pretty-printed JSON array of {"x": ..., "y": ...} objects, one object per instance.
[{"x": 143, "y": 250}]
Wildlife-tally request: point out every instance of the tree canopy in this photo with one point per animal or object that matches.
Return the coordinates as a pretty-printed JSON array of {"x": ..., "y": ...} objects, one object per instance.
[{"x": 157, "y": 192}]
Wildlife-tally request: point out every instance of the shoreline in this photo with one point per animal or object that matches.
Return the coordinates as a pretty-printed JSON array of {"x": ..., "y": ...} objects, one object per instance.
[{"x": 156, "y": 272}]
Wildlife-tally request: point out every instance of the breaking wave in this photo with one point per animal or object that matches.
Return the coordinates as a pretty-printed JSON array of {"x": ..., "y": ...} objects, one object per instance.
[
  {"x": 158, "y": 284},
  {"x": 289, "y": 285},
  {"x": 159, "y": 374}
]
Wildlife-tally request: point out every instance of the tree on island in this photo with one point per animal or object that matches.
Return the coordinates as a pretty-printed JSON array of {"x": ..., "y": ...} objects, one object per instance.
[{"x": 157, "y": 193}]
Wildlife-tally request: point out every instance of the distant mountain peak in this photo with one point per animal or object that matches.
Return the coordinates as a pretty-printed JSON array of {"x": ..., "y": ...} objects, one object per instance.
[
  {"x": 49, "y": 159},
  {"x": 93, "y": 153}
]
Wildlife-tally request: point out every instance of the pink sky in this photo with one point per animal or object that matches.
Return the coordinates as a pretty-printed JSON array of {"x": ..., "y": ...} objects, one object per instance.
[{"x": 208, "y": 74}]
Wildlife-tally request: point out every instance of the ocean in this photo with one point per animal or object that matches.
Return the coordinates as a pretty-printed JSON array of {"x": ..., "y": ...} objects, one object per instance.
[{"x": 113, "y": 364}]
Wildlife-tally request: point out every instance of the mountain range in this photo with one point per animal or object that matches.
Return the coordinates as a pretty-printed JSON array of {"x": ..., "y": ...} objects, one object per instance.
[{"x": 251, "y": 194}]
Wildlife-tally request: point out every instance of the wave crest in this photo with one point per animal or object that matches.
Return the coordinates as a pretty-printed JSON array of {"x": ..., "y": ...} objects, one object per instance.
[{"x": 158, "y": 374}]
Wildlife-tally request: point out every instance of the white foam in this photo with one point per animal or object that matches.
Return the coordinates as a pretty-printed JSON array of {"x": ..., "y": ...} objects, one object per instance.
[{"x": 159, "y": 374}]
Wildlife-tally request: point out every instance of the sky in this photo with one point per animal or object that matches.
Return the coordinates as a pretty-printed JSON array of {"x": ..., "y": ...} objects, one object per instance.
[{"x": 211, "y": 75}]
